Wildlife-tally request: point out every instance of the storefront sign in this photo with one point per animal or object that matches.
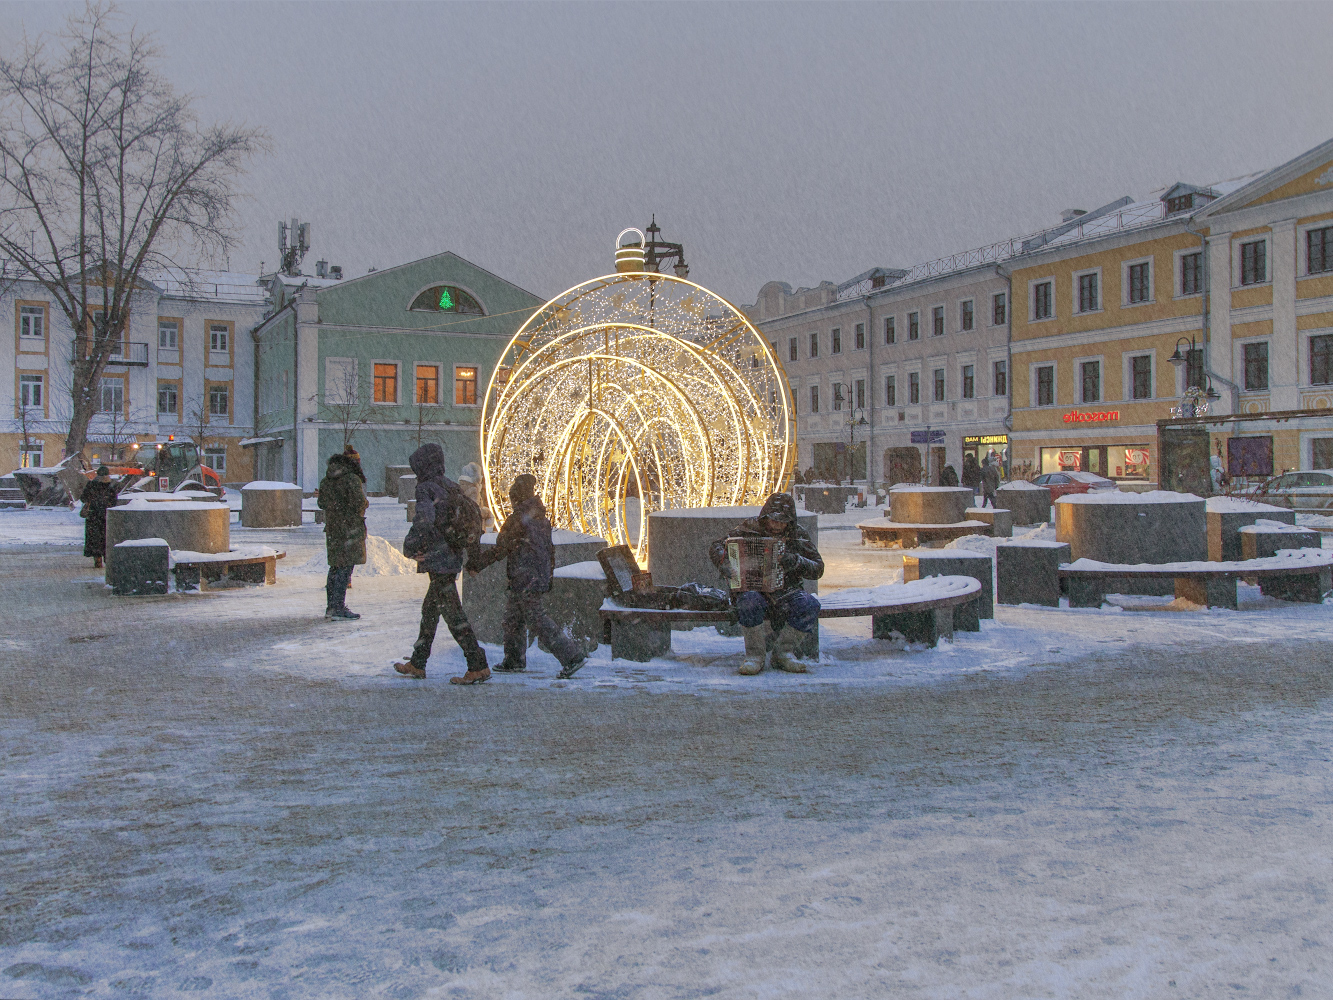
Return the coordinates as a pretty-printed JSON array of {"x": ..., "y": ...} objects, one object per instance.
[
  {"x": 1089, "y": 417},
  {"x": 975, "y": 439},
  {"x": 920, "y": 437}
]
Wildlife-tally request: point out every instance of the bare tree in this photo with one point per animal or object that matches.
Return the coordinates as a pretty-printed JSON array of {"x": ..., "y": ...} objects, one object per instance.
[
  {"x": 346, "y": 403},
  {"x": 105, "y": 174}
]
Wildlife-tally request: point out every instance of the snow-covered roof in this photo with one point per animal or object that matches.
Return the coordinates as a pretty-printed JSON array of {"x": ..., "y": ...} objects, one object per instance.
[{"x": 196, "y": 283}]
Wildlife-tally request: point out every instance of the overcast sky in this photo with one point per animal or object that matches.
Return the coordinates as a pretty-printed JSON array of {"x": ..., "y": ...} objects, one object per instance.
[{"x": 791, "y": 142}]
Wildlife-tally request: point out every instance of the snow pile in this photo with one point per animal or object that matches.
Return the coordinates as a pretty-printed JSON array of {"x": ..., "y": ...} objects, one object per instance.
[
  {"x": 589, "y": 570},
  {"x": 382, "y": 559},
  {"x": 1153, "y": 497},
  {"x": 264, "y": 484},
  {"x": 1238, "y": 505},
  {"x": 1316, "y": 521},
  {"x": 914, "y": 488},
  {"x": 1265, "y": 527},
  {"x": 141, "y": 543},
  {"x": 167, "y": 501}
]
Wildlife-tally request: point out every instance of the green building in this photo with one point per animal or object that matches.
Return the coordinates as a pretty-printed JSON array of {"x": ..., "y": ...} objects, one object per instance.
[{"x": 387, "y": 361}]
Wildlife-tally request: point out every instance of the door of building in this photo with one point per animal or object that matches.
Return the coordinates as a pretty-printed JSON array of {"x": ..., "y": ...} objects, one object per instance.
[{"x": 937, "y": 459}]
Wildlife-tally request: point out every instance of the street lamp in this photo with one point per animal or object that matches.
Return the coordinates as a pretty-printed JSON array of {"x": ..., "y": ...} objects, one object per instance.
[
  {"x": 657, "y": 252},
  {"x": 856, "y": 418},
  {"x": 1195, "y": 401}
]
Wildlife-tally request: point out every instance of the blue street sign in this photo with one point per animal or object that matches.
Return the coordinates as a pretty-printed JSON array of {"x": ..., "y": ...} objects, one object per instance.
[{"x": 919, "y": 437}]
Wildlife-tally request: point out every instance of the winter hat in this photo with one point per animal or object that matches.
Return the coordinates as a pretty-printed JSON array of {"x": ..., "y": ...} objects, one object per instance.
[
  {"x": 779, "y": 507},
  {"x": 351, "y": 453},
  {"x": 471, "y": 473},
  {"x": 524, "y": 489},
  {"x": 102, "y": 470}
]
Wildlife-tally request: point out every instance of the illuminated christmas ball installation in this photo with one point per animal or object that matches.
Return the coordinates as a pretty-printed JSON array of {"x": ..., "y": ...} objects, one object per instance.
[{"x": 637, "y": 384}]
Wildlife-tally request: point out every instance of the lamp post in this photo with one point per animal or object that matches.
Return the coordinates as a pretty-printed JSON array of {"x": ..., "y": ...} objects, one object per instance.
[
  {"x": 855, "y": 419},
  {"x": 657, "y": 252},
  {"x": 1194, "y": 402}
]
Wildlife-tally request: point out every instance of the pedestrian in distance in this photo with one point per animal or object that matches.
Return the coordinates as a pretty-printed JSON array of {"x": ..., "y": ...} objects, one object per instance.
[
  {"x": 948, "y": 476},
  {"x": 342, "y": 497},
  {"x": 971, "y": 477},
  {"x": 443, "y": 537},
  {"x": 792, "y": 612},
  {"x": 98, "y": 496},
  {"x": 990, "y": 480},
  {"x": 524, "y": 542}
]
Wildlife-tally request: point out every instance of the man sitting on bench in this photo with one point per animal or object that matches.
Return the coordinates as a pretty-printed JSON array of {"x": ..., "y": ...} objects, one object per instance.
[{"x": 792, "y": 611}]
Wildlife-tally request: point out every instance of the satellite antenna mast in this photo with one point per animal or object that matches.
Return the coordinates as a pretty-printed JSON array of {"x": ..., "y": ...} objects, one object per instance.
[{"x": 290, "y": 254}]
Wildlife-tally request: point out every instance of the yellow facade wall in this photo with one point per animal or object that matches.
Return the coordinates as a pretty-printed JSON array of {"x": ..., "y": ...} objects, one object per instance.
[
  {"x": 1314, "y": 288},
  {"x": 1258, "y": 295},
  {"x": 1304, "y": 184},
  {"x": 1315, "y": 321}
]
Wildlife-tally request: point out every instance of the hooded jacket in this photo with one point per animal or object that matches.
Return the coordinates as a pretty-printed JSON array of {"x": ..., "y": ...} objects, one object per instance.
[
  {"x": 343, "y": 500},
  {"x": 524, "y": 541},
  {"x": 436, "y": 499},
  {"x": 801, "y": 561}
]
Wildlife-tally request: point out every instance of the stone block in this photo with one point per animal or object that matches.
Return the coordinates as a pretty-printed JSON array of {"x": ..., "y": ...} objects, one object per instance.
[
  {"x": 391, "y": 476},
  {"x": 1117, "y": 528},
  {"x": 639, "y": 639},
  {"x": 1211, "y": 592},
  {"x": 411, "y": 511},
  {"x": 407, "y": 488},
  {"x": 270, "y": 505},
  {"x": 139, "y": 566},
  {"x": 1227, "y": 515},
  {"x": 956, "y": 562},
  {"x": 678, "y": 542},
  {"x": 484, "y": 594},
  {"x": 577, "y": 592},
  {"x": 193, "y": 526},
  {"x": 826, "y": 499},
  {"x": 915, "y": 626},
  {"x": 1307, "y": 588},
  {"x": 929, "y": 504},
  {"x": 1000, "y": 520},
  {"x": 1028, "y": 572},
  {"x": 1027, "y": 504},
  {"x": 1259, "y": 541}
]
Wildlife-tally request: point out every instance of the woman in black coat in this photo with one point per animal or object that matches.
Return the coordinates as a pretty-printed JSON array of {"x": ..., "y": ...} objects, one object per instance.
[{"x": 98, "y": 495}]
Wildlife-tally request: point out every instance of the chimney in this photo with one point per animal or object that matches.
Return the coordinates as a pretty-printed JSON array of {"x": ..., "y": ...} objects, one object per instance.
[
  {"x": 1072, "y": 213},
  {"x": 321, "y": 269},
  {"x": 336, "y": 272}
]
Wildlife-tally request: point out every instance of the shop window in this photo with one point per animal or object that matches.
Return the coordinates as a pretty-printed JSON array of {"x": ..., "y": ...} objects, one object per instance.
[
  {"x": 1141, "y": 376},
  {"x": 1046, "y": 385},
  {"x": 1041, "y": 300},
  {"x": 218, "y": 400},
  {"x": 914, "y": 388},
  {"x": 32, "y": 325},
  {"x": 791, "y": 350},
  {"x": 1191, "y": 273},
  {"x": 112, "y": 396},
  {"x": 465, "y": 386},
  {"x": 890, "y": 330},
  {"x": 1087, "y": 293},
  {"x": 1000, "y": 378},
  {"x": 215, "y": 457},
  {"x": 386, "y": 382},
  {"x": 890, "y": 390},
  {"x": 167, "y": 401},
  {"x": 30, "y": 455},
  {"x": 913, "y": 326},
  {"x": 1090, "y": 373},
  {"x": 966, "y": 316},
  {"x": 1254, "y": 262},
  {"x": 937, "y": 321},
  {"x": 999, "y": 308},
  {"x": 428, "y": 385},
  {"x": 814, "y": 345},
  {"x": 814, "y": 399},
  {"x": 1319, "y": 250},
  {"x": 836, "y": 340},
  {"x": 30, "y": 391},
  {"x": 860, "y": 331},
  {"x": 1321, "y": 360},
  {"x": 1256, "y": 366},
  {"x": 1321, "y": 453},
  {"x": 1140, "y": 283},
  {"x": 939, "y": 385},
  {"x": 447, "y": 299},
  {"x": 969, "y": 389}
]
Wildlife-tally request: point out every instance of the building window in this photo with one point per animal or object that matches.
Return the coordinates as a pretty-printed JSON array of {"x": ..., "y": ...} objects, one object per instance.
[
  {"x": 860, "y": 336},
  {"x": 890, "y": 390},
  {"x": 937, "y": 321},
  {"x": 914, "y": 388},
  {"x": 30, "y": 455},
  {"x": 1253, "y": 262},
  {"x": 1256, "y": 366},
  {"x": 1001, "y": 378},
  {"x": 1046, "y": 385},
  {"x": 1087, "y": 293},
  {"x": 1141, "y": 376},
  {"x": 1191, "y": 273},
  {"x": 1091, "y": 377},
  {"x": 814, "y": 345},
  {"x": 1041, "y": 300},
  {"x": 966, "y": 316},
  {"x": 1140, "y": 283},
  {"x": 113, "y": 396},
  {"x": 890, "y": 330},
  {"x": 999, "y": 311},
  {"x": 1319, "y": 250},
  {"x": 32, "y": 323},
  {"x": 217, "y": 336},
  {"x": 465, "y": 386},
  {"x": 217, "y": 400},
  {"x": 168, "y": 334},
  {"x": 428, "y": 385},
  {"x": 1321, "y": 360},
  {"x": 447, "y": 299},
  {"x": 30, "y": 391},
  {"x": 341, "y": 385},
  {"x": 166, "y": 397},
  {"x": 215, "y": 457},
  {"x": 1181, "y": 203},
  {"x": 969, "y": 387},
  {"x": 386, "y": 382},
  {"x": 814, "y": 399},
  {"x": 861, "y": 393},
  {"x": 939, "y": 385},
  {"x": 791, "y": 350},
  {"x": 913, "y": 326},
  {"x": 836, "y": 339}
]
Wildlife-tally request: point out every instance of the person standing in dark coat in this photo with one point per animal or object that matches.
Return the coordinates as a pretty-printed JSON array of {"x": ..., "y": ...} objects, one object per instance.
[
  {"x": 525, "y": 544},
  {"x": 97, "y": 497},
  {"x": 990, "y": 480},
  {"x": 431, "y": 543},
  {"x": 971, "y": 477},
  {"x": 792, "y": 611},
  {"x": 342, "y": 497}
]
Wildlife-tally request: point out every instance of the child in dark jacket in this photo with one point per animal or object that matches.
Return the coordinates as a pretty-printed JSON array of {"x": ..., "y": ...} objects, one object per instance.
[{"x": 525, "y": 544}]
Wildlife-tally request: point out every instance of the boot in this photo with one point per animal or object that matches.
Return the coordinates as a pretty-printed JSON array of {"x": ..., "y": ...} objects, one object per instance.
[
  {"x": 754, "y": 650},
  {"x": 409, "y": 669},
  {"x": 783, "y": 649},
  {"x": 472, "y": 676}
]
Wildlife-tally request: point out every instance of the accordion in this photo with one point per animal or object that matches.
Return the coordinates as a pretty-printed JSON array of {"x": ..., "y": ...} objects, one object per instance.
[{"x": 755, "y": 563}]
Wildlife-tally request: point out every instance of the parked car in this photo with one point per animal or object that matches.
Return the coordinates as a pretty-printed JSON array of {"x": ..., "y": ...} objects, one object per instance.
[
  {"x": 1304, "y": 491},
  {"x": 1063, "y": 483}
]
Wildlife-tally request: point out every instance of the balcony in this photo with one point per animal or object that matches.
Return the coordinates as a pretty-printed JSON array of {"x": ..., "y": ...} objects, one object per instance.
[{"x": 131, "y": 355}]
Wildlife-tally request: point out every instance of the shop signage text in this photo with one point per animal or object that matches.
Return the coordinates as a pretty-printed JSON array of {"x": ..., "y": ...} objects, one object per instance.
[
  {"x": 1088, "y": 417},
  {"x": 985, "y": 439},
  {"x": 927, "y": 437}
]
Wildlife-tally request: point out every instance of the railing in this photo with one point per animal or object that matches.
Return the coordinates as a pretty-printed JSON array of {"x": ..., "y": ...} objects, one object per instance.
[
  {"x": 211, "y": 289},
  {"x": 131, "y": 354}
]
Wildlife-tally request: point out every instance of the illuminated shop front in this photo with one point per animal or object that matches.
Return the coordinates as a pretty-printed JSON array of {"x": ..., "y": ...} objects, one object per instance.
[
  {"x": 994, "y": 446},
  {"x": 1098, "y": 451}
]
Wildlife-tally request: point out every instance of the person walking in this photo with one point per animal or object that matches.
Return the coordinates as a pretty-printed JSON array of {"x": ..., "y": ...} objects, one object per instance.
[
  {"x": 990, "y": 480},
  {"x": 98, "y": 496},
  {"x": 444, "y": 529},
  {"x": 971, "y": 477},
  {"x": 524, "y": 542},
  {"x": 793, "y": 612},
  {"x": 342, "y": 497}
]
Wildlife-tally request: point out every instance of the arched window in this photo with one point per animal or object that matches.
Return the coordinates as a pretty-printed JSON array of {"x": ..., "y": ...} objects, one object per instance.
[{"x": 447, "y": 299}]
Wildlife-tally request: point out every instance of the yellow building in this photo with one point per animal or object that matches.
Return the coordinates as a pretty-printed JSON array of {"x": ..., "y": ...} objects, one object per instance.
[{"x": 1233, "y": 280}]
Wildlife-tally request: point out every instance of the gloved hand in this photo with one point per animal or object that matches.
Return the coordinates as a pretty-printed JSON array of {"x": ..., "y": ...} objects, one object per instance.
[{"x": 790, "y": 561}]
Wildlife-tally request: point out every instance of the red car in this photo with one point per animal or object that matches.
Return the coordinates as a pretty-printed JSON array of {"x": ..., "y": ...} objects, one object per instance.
[{"x": 1063, "y": 483}]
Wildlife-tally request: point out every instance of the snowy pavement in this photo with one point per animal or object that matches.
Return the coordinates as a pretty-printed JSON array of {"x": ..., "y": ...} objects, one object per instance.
[{"x": 225, "y": 795}]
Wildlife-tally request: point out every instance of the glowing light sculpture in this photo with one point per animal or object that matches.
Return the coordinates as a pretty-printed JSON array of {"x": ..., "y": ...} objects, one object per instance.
[{"x": 637, "y": 383}]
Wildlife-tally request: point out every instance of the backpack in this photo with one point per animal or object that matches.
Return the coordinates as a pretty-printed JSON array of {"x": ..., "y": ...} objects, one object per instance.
[{"x": 464, "y": 523}]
